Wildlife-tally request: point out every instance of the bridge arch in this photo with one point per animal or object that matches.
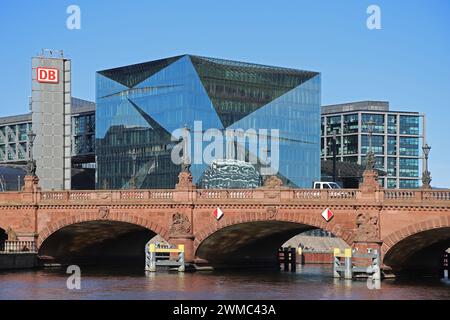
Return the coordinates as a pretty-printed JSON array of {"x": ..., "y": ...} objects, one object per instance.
[
  {"x": 255, "y": 239},
  {"x": 123, "y": 217},
  {"x": 90, "y": 237},
  {"x": 417, "y": 247},
  {"x": 3, "y": 238}
]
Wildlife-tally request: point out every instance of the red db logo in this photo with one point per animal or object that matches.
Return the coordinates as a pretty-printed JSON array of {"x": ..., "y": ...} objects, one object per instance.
[{"x": 47, "y": 75}]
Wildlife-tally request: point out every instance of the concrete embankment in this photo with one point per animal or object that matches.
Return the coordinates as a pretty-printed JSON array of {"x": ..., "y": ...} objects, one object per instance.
[{"x": 25, "y": 260}]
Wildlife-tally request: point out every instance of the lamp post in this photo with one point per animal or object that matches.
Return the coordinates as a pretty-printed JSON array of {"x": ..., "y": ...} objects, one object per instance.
[
  {"x": 334, "y": 155},
  {"x": 133, "y": 155},
  {"x": 426, "y": 175},
  {"x": 186, "y": 162},
  {"x": 370, "y": 157},
  {"x": 31, "y": 163}
]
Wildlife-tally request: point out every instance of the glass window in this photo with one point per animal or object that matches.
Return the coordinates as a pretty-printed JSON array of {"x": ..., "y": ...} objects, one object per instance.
[
  {"x": 409, "y": 146},
  {"x": 11, "y": 152},
  {"x": 22, "y": 151},
  {"x": 23, "y": 132},
  {"x": 392, "y": 124},
  {"x": 2, "y": 152},
  {"x": 392, "y": 145},
  {"x": 351, "y": 123},
  {"x": 391, "y": 183},
  {"x": 333, "y": 124},
  {"x": 409, "y": 167},
  {"x": 378, "y": 119},
  {"x": 409, "y": 125},
  {"x": 322, "y": 126},
  {"x": 391, "y": 167},
  {"x": 322, "y": 147},
  {"x": 377, "y": 144},
  {"x": 2, "y": 135},
  {"x": 330, "y": 146},
  {"x": 350, "y": 144},
  {"x": 11, "y": 133},
  {"x": 409, "y": 184}
]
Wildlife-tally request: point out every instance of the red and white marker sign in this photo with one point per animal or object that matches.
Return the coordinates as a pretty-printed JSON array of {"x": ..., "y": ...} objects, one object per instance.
[
  {"x": 327, "y": 214},
  {"x": 47, "y": 75},
  {"x": 218, "y": 213}
]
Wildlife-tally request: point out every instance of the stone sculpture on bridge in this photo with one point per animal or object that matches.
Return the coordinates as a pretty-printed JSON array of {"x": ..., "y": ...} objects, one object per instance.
[{"x": 180, "y": 225}]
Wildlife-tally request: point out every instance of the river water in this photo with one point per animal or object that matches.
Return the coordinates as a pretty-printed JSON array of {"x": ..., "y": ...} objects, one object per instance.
[{"x": 309, "y": 282}]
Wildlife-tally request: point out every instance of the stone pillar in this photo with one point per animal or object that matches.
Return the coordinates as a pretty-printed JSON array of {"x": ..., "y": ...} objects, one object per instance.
[
  {"x": 185, "y": 188},
  {"x": 362, "y": 247},
  {"x": 30, "y": 189},
  {"x": 180, "y": 232},
  {"x": 181, "y": 226},
  {"x": 31, "y": 184},
  {"x": 370, "y": 188},
  {"x": 188, "y": 242},
  {"x": 367, "y": 235}
]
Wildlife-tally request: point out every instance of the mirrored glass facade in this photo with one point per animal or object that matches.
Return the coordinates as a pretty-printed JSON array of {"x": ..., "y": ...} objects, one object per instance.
[
  {"x": 396, "y": 139},
  {"x": 139, "y": 107}
]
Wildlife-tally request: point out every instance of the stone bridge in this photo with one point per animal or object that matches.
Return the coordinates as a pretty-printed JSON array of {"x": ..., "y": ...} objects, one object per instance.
[{"x": 410, "y": 227}]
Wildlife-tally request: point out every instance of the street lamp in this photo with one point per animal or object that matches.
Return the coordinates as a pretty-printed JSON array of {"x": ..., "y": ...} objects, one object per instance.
[
  {"x": 370, "y": 157},
  {"x": 186, "y": 161},
  {"x": 133, "y": 154},
  {"x": 426, "y": 175},
  {"x": 31, "y": 163},
  {"x": 334, "y": 155}
]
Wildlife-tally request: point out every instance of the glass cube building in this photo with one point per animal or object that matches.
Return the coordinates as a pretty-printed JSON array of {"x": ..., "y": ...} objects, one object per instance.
[{"x": 139, "y": 107}]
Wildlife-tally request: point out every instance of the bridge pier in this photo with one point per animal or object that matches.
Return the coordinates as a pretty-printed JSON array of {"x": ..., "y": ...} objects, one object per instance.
[{"x": 188, "y": 242}]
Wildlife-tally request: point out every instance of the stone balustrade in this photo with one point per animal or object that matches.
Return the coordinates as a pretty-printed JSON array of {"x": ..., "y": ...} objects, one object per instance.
[{"x": 285, "y": 194}]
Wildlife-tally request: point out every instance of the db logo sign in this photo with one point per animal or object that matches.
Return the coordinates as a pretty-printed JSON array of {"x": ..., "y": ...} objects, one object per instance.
[{"x": 47, "y": 75}]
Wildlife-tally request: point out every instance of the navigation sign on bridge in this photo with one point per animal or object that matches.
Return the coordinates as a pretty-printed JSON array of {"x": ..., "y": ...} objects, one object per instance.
[
  {"x": 327, "y": 214},
  {"x": 218, "y": 213}
]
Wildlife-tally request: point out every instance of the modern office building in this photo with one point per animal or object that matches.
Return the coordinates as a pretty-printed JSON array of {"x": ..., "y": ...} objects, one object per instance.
[
  {"x": 395, "y": 139},
  {"x": 14, "y": 130},
  {"x": 139, "y": 107},
  {"x": 14, "y": 144}
]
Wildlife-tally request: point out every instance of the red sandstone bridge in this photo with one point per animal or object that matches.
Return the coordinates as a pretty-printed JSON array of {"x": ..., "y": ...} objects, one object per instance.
[{"x": 410, "y": 227}]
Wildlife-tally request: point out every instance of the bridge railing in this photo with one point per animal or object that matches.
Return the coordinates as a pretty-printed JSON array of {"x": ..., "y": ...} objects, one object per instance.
[
  {"x": 314, "y": 194},
  {"x": 285, "y": 194},
  {"x": 416, "y": 195},
  {"x": 224, "y": 194},
  {"x": 101, "y": 195},
  {"x": 18, "y": 246}
]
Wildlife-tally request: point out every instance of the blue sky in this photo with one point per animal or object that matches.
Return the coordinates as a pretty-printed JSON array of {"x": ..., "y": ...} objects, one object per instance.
[{"x": 407, "y": 62}]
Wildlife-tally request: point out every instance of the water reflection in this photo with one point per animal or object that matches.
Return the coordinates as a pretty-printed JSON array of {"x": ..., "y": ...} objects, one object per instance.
[{"x": 309, "y": 282}]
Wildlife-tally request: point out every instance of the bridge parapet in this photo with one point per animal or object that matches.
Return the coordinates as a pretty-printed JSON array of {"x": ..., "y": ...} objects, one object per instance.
[
  {"x": 416, "y": 195},
  {"x": 271, "y": 195}
]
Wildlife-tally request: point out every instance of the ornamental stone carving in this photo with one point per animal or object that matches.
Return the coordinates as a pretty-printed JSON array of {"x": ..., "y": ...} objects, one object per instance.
[
  {"x": 12, "y": 236},
  {"x": 272, "y": 212},
  {"x": 185, "y": 181},
  {"x": 103, "y": 212},
  {"x": 273, "y": 182},
  {"x": 180, "y": 225},
  {"x": 367, "y": 228}
]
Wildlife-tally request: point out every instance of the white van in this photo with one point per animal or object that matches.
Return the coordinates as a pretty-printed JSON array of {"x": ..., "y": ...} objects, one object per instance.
[{"x": 325, "y": 185}]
